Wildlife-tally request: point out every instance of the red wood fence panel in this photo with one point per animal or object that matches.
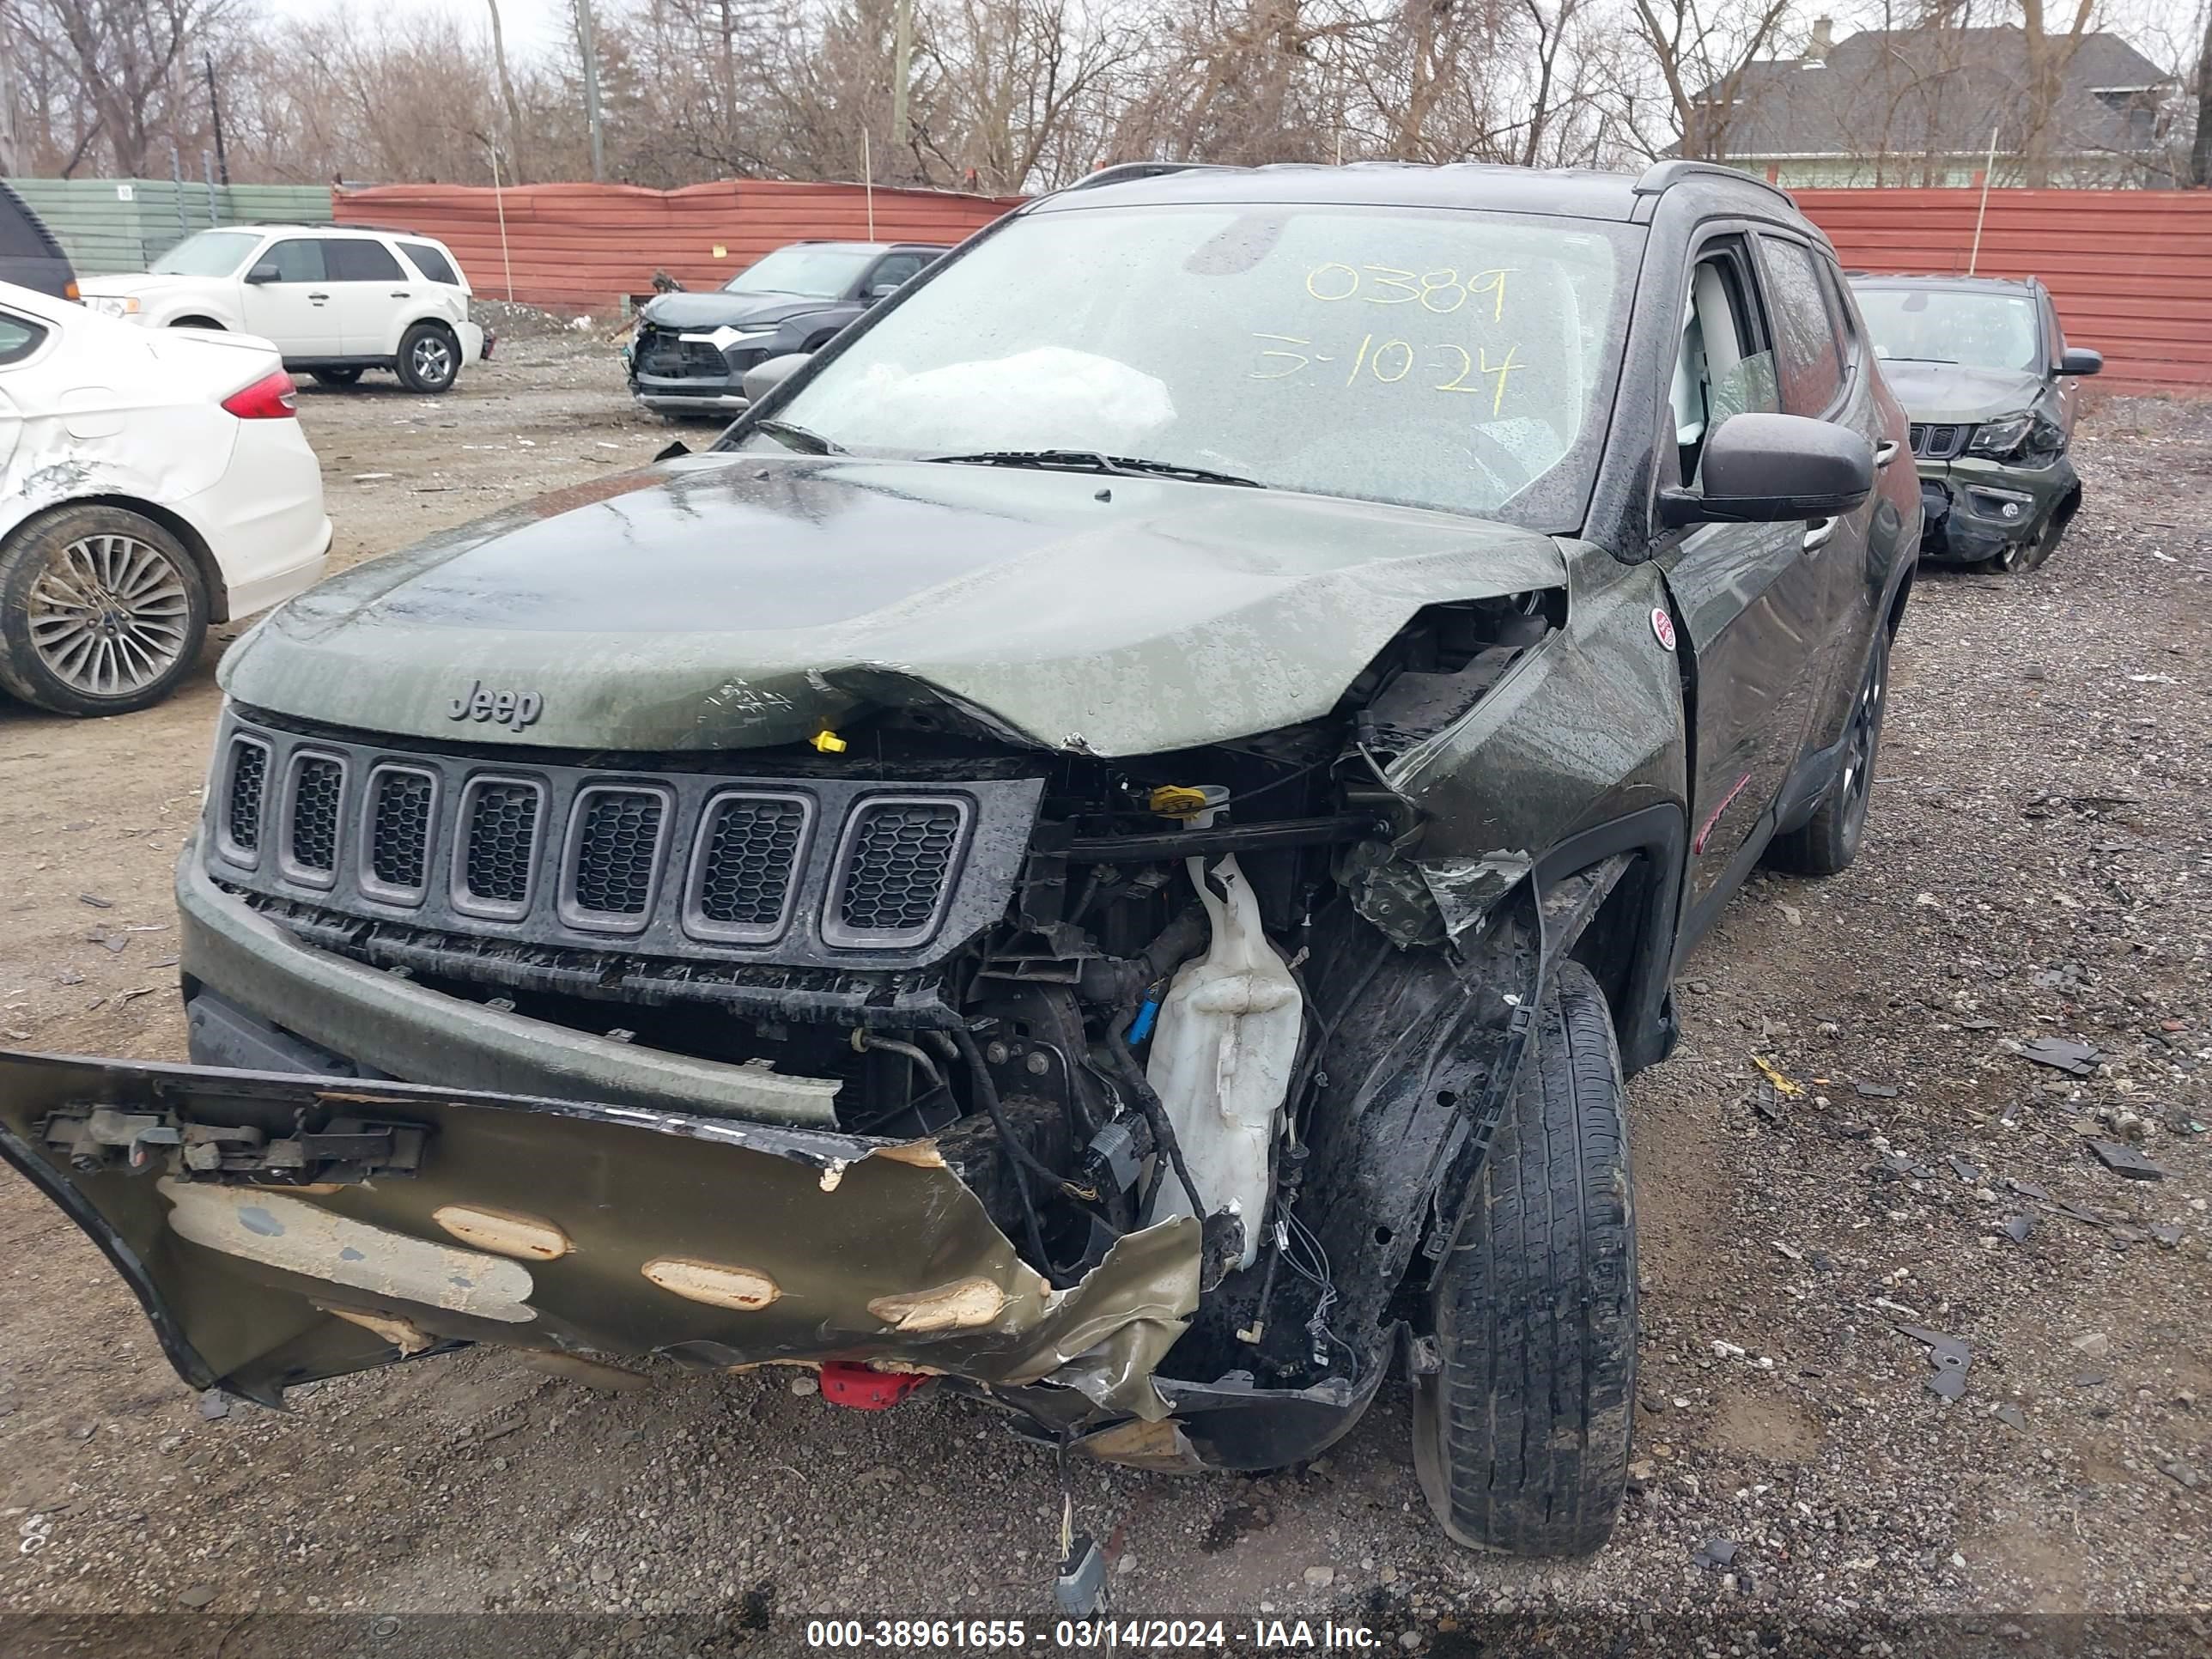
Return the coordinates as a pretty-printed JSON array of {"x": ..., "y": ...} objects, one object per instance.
[
  {"x": 584, "y": 245},
  {"x": 2130, "y": 269}
]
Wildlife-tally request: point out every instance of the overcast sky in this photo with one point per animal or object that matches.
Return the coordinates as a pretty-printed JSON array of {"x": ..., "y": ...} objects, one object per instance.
[{"x": 532, "y": 25}]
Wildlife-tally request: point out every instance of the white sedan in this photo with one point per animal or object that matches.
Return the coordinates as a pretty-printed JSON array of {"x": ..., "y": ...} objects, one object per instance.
[{"x": 150, "y": 484}]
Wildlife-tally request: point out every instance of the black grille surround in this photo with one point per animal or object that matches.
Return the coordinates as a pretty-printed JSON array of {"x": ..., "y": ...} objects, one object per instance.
[
  {"x": 745, "y": 868},
  {"x": 894, "y": 867},
  {"x": 1939, "y": 440},
  {"x": 611, "y": 868},
  {"x": 397, "y": 832},
  {"x": 246, "y": 774},
  {"x": 309, "y": 810},
  {"x": 679, "y": 865}
]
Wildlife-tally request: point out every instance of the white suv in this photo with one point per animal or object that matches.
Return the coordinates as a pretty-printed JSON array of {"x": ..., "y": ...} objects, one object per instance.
[{"x": 333, "y": 300}]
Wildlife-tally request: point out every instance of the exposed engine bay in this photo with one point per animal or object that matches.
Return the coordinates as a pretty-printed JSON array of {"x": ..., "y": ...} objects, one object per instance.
[{"x": 1190, "y": 982}]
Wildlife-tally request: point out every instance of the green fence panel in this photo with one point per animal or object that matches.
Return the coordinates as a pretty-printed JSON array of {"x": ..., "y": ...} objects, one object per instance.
[{"x": 108, "y": 225}]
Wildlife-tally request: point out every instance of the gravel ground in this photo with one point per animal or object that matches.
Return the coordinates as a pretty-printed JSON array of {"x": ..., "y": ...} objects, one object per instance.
[{"x": 2037, "y": 866}]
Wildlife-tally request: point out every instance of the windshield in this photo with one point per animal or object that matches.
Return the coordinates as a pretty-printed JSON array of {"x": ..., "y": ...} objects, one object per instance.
[
  {"x": 1445, "y": 359},
  {"x": 1953, "y": 325},
  {"x": 210, "y": 254},
  {"x": 823, "y": 271}
]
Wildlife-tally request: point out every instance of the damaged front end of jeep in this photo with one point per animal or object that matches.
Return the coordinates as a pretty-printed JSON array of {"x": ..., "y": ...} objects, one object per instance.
[{"x": 1135, "y": 1094}]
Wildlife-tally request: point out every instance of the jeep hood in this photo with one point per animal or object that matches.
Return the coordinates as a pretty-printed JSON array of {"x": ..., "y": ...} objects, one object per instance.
[
  {"x": 1958, "y": 394},
  {"x": 715, "y": 309},
  {"x": 737, "y": 600}
]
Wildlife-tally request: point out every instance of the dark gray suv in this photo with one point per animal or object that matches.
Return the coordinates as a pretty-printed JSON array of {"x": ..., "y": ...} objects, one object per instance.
[
  {"x": 692, "y": 349},
  {"x": 1984, "y": 372}
]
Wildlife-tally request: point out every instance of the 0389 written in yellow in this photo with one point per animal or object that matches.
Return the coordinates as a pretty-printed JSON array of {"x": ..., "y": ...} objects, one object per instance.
[{"x": 1443, "y": 367}]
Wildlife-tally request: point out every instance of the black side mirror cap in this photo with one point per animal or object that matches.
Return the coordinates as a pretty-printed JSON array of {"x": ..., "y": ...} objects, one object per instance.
[
  {"x": 765, "y": 376},
  {"x": 263, "y": 273},
  {"x": 1772, "y": 469},
  {"x": 2079, "y": 360}
]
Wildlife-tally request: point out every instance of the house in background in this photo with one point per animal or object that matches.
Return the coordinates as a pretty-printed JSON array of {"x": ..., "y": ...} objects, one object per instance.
[{"x": 1918, "y": 106}]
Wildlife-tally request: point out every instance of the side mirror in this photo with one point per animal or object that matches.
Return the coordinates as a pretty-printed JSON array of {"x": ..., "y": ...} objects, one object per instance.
[
  {"x": 263, "y": 272},
  {"x": 1772, "y": 469},
  {"x": 876, "y": 291},
  {"x": 764, "y": 377},
  {"x": 2079, "y": 360}
]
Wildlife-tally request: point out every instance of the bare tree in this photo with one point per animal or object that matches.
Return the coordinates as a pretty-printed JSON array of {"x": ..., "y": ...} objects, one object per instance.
[
  {"x": 1703, "y": 51},
  {"x": 126, "y": 63},
  {"x": 506, "y": 95}
]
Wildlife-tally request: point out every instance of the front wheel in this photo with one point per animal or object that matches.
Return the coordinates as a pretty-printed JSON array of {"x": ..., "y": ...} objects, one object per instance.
[
  {"x": 1521, "y": 1437},
  {"x": 2020, "y": 557},
  {"x": 102, "y": 612},
  {"x": 429, "y": 358}
]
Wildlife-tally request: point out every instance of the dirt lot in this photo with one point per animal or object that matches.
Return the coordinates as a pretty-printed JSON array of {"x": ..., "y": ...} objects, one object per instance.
[{"x": 2039, "y": 864}]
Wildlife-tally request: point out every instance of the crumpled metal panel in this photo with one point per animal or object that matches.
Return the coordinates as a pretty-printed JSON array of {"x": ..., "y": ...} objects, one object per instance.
[
  {"x": 726, "y": 601},
  {"x": 631, "y": 1232}
]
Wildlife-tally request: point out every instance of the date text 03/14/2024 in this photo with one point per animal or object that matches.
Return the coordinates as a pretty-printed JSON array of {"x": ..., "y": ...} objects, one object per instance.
[{"x": 1091, "y": 1635}]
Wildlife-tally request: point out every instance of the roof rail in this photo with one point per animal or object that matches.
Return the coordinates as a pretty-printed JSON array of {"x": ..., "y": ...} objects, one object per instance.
[
  {"x": 1122, "y": 172},
  {"x": 1662, "y": 176}
]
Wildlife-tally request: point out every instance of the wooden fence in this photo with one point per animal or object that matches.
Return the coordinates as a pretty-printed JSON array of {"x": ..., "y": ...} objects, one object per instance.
[
  {"x": 588, "y": 245},
  {"x": 2130, "y": 269}
]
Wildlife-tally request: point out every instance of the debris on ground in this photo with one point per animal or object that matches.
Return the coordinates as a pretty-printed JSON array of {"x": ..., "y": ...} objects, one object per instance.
[
  {"x": 2124, "y": 1160},
  {"x": 2074, "y": 1059},
  {"x": 1950, "y": 1357}
]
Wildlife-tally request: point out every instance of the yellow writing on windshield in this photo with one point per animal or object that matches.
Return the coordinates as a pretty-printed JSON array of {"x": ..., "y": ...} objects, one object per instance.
[
  {"x": 1442, "y": 291},
  {"x": 1390, "y": 361}
]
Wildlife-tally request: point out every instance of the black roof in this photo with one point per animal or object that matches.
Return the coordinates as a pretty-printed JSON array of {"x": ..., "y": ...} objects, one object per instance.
[
  {"x": 1568, "y": 192},
  {"x": 1933, "y": 90},
  {"x": 1988, "y": 284}
]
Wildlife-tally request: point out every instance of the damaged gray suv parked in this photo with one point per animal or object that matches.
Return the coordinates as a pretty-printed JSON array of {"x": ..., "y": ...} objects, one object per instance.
[{"x": 1106, "y": 850}]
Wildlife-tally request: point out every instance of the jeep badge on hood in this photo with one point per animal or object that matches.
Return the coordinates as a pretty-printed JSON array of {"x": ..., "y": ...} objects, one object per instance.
[{"x": 513, "y": 709}]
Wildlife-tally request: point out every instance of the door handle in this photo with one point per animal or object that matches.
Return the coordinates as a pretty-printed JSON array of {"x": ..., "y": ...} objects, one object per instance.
[
  {"x": 400, "y": 294},
  {"x": 1886, "y": 451},
  {"x": 319, "y": 298},
  {"x": 1817, "y": 534}
]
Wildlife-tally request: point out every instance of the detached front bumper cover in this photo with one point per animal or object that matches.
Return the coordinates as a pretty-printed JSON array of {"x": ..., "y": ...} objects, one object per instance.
[{"x": 278, "y": 1230}]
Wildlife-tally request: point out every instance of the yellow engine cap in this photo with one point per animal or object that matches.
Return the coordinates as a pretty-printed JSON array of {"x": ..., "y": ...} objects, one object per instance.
[
  {"x": 828, "y": 743},
  {"x": 1175, "y": 801}
]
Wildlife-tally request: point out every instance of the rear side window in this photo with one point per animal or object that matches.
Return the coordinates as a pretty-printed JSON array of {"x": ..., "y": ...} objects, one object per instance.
[
  {"x": 19, "y": 337},
  {"x": 297, "y": 259},
  {"x": 1812, "y": 369},
  {"x": 353, "y": 261},
  {"x": 433, "y": 264}
]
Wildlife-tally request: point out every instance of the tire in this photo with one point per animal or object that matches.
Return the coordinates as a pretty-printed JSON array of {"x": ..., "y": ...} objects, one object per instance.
[
  {"x": 1521, "y": 1437},
  {"x": 429, "y": 358},
  {"x": 102, "y": 612},
  {"x": 1828, "y": 840},
  {"x": 335, "y": 377},
  {"x": 2020, "y": 557}
]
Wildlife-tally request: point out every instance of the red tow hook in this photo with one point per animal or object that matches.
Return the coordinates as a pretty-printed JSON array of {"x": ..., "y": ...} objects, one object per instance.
[{"x": 856, "y": 1387}]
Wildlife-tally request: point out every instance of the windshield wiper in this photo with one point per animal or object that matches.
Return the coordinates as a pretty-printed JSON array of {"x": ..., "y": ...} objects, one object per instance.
[
  {"x": 1089, "y": 460},
  {"x": 1893, "y": 358},
  {"x": 806, "y": 442}
]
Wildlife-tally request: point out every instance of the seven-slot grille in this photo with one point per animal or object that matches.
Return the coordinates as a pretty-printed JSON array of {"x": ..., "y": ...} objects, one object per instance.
[
  {"x": 1938, "y": 442},
  {"x": 810, "y": 866}
]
